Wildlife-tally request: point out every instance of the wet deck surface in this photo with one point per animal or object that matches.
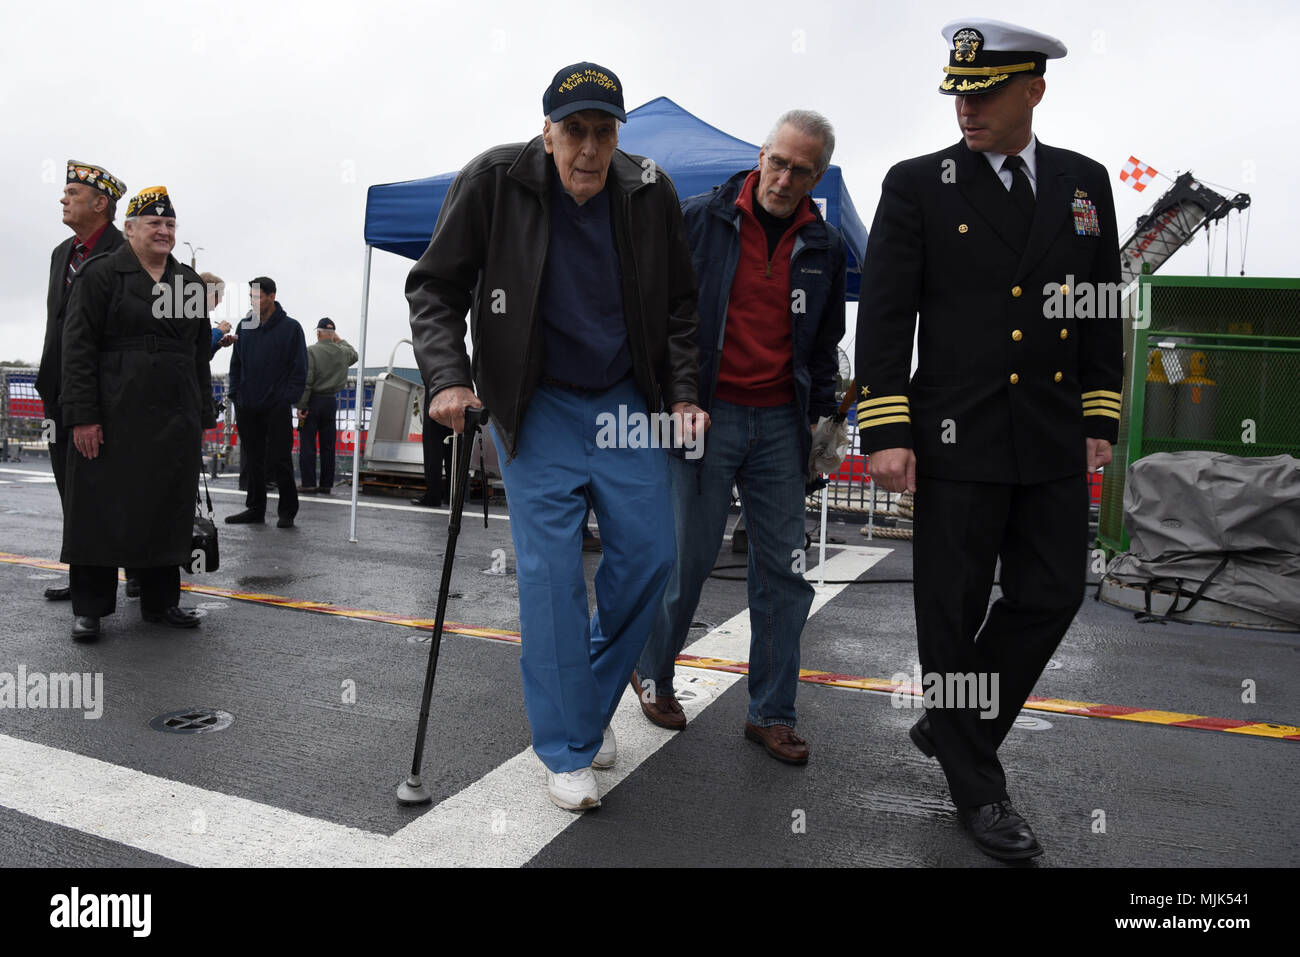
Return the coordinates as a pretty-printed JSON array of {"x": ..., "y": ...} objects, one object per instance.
[{"x": 325, "y": 709}]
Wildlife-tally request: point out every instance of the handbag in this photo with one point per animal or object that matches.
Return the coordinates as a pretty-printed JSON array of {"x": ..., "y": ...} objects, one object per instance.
[{"x": 204, "y": 556}]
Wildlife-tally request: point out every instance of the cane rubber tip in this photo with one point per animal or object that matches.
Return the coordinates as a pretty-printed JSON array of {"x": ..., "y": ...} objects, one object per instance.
[{"x": 412, "y": 791}]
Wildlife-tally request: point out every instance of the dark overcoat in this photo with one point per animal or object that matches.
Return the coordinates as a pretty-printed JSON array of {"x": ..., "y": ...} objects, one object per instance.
[
  {"x": 49, "y": 378},
  {"x": 135, "y": 361}
]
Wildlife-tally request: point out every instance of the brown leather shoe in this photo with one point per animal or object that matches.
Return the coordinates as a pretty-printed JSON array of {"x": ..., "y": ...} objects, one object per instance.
[
  {"x": 781, "y": 742},
  {"x": 664, "y": 710}
]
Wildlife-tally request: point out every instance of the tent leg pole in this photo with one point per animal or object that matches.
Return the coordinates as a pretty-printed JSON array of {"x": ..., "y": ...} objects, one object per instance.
[
  {"x": 821, "y": 557},
  {"x": 360, "y": 398}
]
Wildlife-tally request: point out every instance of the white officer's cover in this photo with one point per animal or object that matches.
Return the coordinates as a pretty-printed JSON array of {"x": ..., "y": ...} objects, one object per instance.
[{"x": 1186, "y": 511}]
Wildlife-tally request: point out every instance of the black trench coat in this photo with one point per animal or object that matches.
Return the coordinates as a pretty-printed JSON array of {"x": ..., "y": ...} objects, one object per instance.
[{"x": 133, "y": 505}]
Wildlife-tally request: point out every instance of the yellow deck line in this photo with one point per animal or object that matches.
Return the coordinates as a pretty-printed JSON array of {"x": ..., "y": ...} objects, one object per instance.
[{"x": 1087, "y": 709}]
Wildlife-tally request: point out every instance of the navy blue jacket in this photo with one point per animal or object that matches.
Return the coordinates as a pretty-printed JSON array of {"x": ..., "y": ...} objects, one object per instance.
[
  {"x": 268, "y": 364},
  {"x": 817, "y": 267}
]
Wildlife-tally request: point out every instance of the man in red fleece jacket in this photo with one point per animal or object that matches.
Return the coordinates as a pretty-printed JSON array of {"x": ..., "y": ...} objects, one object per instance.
[{"x": 771, "y": 306}]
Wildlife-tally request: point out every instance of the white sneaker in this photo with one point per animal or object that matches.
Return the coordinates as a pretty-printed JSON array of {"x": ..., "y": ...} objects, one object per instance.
[
  {"x": 573, "y": 790},
  {"x": 608, "y": 753}
]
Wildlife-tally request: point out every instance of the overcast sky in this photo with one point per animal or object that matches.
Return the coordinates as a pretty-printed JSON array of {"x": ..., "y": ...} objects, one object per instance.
[{"x": 267, "y": 120}]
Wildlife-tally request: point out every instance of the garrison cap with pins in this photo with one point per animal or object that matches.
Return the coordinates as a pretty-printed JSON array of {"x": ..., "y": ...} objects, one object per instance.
[
  {"x": 985, "y": 54},
  {"x": 96, "y": 177},
  {"x": 151, "y": 201}
]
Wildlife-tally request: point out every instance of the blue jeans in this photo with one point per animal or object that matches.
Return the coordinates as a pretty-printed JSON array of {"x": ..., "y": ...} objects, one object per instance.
[
  {"x": 575, "y": 668},
  {"x": 757, "y": 449}
]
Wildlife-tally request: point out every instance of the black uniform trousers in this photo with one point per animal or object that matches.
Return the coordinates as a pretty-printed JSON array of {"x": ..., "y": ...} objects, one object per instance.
[
  {"x": 437, "y": 461},
  {"x": 961, "y": 530},
  {"x": 94, "y": 588},
  {"x": 267, "y": 439},
  {"x": 319, "y": 423}
]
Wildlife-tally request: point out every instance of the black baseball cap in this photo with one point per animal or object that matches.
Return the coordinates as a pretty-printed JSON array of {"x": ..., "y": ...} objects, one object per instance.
[
  {"x": 325, "y": 324},
  {"x": 584, "y": 86}
]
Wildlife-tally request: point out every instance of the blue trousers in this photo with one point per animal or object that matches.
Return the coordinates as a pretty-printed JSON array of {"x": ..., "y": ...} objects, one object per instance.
[
  {"x": 576, "y": 667},
  {"x": 757, "y": 449}
]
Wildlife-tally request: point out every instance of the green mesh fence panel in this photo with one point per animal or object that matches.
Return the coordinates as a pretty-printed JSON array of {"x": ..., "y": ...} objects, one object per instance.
[{"x": 1229, "y": 351}]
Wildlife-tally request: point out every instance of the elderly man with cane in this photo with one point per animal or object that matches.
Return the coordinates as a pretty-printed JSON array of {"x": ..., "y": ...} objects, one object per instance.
[{"x": 572, "y": 258}]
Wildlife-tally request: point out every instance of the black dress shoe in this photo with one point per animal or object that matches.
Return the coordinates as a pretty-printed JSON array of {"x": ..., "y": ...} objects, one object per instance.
[
  {"x": 246, "y": 517},
  {"x": 424, "y": 502},
  {"x": 307, "y": 490},
  {"x": 133, "y": 588},
  {"x": 285, "y": 521},
  {"x": 324, "y": 490},
  {"x": 999, "y": 831},
  {"x": 920, "y": 735},
  {"x": 174, "y": 616},
  {"x": 85, "y": 627},
  {"x": 62, "y": 593}
]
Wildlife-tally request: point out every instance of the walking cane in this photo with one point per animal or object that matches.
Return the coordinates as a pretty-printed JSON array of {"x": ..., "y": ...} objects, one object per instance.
[{"x": 412, "y": 790}]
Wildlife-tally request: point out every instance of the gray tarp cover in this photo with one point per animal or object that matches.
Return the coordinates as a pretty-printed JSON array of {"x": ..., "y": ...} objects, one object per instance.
[{"x": 1185, "y": 511}]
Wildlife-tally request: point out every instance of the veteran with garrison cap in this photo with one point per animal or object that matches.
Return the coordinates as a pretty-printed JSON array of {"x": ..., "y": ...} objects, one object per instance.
[
  {"x": 89, "y": 203},
  {"x": 136, "y": 397},
  {"x": 1010, "y": 404}
]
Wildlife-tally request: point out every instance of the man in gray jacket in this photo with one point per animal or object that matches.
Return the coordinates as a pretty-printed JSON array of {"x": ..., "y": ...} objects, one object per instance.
[
  {"x": 572, "y": 258},
  {"x": 327, "y": 372}
]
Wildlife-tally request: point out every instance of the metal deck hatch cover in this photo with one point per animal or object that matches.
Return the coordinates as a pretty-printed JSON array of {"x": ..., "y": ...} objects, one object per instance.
[{"x": 193, "y": 721}]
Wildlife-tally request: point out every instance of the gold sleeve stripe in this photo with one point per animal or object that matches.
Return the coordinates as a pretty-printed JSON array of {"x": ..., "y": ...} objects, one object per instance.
[
  {"x": 883, "y": 400},
  {"x": 883, "y": 410},
  {"x": 887, "y": 421},
  {"x": 1103, "y": 394},
  {"x": 1109, "y": 413},
  {"x": 1102, "y": 403}
]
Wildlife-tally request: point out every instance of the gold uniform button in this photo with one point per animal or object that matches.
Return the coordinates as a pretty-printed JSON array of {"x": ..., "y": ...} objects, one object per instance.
[
  {"x": 1017, "y": 335},
  {"x": 1065, "y": 289},
  {"x": 1058, "y": 377},
  {"x": 962, "y": 228},
  {"x": 1014, "y": 378},
  {"x": 1016, "y": 291},
  {"x": 1065, "y": 333}
]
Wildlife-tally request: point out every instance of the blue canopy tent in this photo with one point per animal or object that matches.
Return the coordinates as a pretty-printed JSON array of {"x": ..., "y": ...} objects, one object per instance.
[{"x": 400, "y": 216}]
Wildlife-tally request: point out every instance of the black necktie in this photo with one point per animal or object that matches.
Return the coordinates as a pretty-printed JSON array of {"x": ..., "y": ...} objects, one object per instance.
[
  {"x": 74, "y": 263},
  {"x": 1022, "y": 194}
]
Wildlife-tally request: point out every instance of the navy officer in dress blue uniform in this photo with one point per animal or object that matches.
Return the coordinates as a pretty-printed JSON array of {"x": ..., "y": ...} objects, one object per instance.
[{"x": 1010, "y": 403}]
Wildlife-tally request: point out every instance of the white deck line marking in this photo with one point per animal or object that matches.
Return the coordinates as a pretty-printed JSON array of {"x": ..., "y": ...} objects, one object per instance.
[
  {"x": 460, "y": 830},
  {"x": 503, "y": 819},
  {"x": 175, "y": 820},
  {"x": 341, "y": 498},
  {"x": 470, "y": 514}
]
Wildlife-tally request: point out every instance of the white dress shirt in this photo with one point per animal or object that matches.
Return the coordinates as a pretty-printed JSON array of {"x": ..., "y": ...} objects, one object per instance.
[{"x": 1029, "y": 154}]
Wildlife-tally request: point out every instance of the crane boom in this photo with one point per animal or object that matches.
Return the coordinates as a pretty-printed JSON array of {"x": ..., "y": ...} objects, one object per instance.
[{"x": 1171, "y": 223}]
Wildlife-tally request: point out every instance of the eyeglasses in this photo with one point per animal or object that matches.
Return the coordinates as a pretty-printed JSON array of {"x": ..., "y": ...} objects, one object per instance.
[{"x": 779, "y": 166}]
